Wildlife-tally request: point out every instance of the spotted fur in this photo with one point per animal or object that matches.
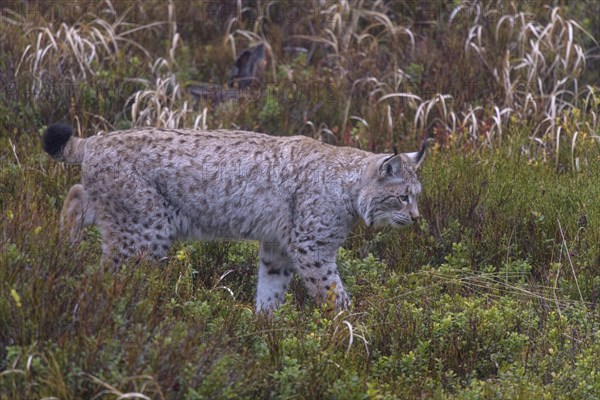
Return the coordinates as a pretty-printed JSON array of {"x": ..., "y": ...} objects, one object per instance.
[{"x": 300, "y": 198}]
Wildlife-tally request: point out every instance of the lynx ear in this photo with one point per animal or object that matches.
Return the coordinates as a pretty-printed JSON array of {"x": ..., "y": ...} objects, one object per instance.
[
  {"x": 418, "y": 156},
  {"x": 390, "y": 165}
]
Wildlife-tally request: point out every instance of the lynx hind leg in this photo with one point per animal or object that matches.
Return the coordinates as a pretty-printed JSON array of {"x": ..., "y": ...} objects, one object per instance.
[
  {"x": 142, "y": 227},
  {"x": 77, "y": 213},
  {"x": 274, "y": 275}
]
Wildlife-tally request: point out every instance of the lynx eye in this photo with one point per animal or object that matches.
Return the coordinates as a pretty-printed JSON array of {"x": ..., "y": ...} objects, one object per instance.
[{"x": 404, "y": 198}]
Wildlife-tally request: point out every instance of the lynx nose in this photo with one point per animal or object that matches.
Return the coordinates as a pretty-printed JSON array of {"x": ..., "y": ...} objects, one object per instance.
[{"x": 414, "y": 215}]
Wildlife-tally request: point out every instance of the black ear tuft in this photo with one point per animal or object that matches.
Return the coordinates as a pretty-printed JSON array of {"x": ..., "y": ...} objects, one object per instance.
[
  {"x": 423, "y": 148},
  {"x": 56, "y": 137}
]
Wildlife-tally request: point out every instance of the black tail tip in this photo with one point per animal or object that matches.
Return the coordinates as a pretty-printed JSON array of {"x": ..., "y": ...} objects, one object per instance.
[{"x": 55, "y": 138}]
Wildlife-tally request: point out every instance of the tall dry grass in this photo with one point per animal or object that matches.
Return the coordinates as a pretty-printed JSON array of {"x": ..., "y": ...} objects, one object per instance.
[{"x": 505, "y": 62}]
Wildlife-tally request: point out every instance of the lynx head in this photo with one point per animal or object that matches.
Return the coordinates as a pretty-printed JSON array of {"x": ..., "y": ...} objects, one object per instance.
[{"x": 390, "y": 190}]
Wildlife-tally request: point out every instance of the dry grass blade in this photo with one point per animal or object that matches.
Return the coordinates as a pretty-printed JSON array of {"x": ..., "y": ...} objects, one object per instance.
[
  {"x": 574, "y": 160},
  {"x": 162, "y": 102},
  {"x": 12, "y": 371},
  {"x": 402, "y": 95},
  {"x": 14, "y": 150},
  {"x": 112, "y": 390},
  {"x": 568, "y": 254},
  {"x": 351, "y": 334},
  {"x": 541, "y": 65},
  {"x": 498, "y": 281},
  {"x": 75, "y": 50},
  {"x": 223, "y": 287},
  {"x": 331, "y": 42},
  {"x": 497, "y": 119},
  {"x": 109, "y": 388}
]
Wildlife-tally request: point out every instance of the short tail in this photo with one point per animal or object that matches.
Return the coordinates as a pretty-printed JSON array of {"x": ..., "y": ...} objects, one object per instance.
[{"x": 58, "y": 141}]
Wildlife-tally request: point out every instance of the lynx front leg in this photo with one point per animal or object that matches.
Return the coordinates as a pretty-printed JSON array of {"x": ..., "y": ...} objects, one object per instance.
[
  {"x": 319, "y": 271},
  {"x": 274, "y": 274}
]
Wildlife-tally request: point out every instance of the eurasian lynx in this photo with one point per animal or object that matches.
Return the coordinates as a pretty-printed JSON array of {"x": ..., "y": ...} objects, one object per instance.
[{"x": 146, "y": 187}]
